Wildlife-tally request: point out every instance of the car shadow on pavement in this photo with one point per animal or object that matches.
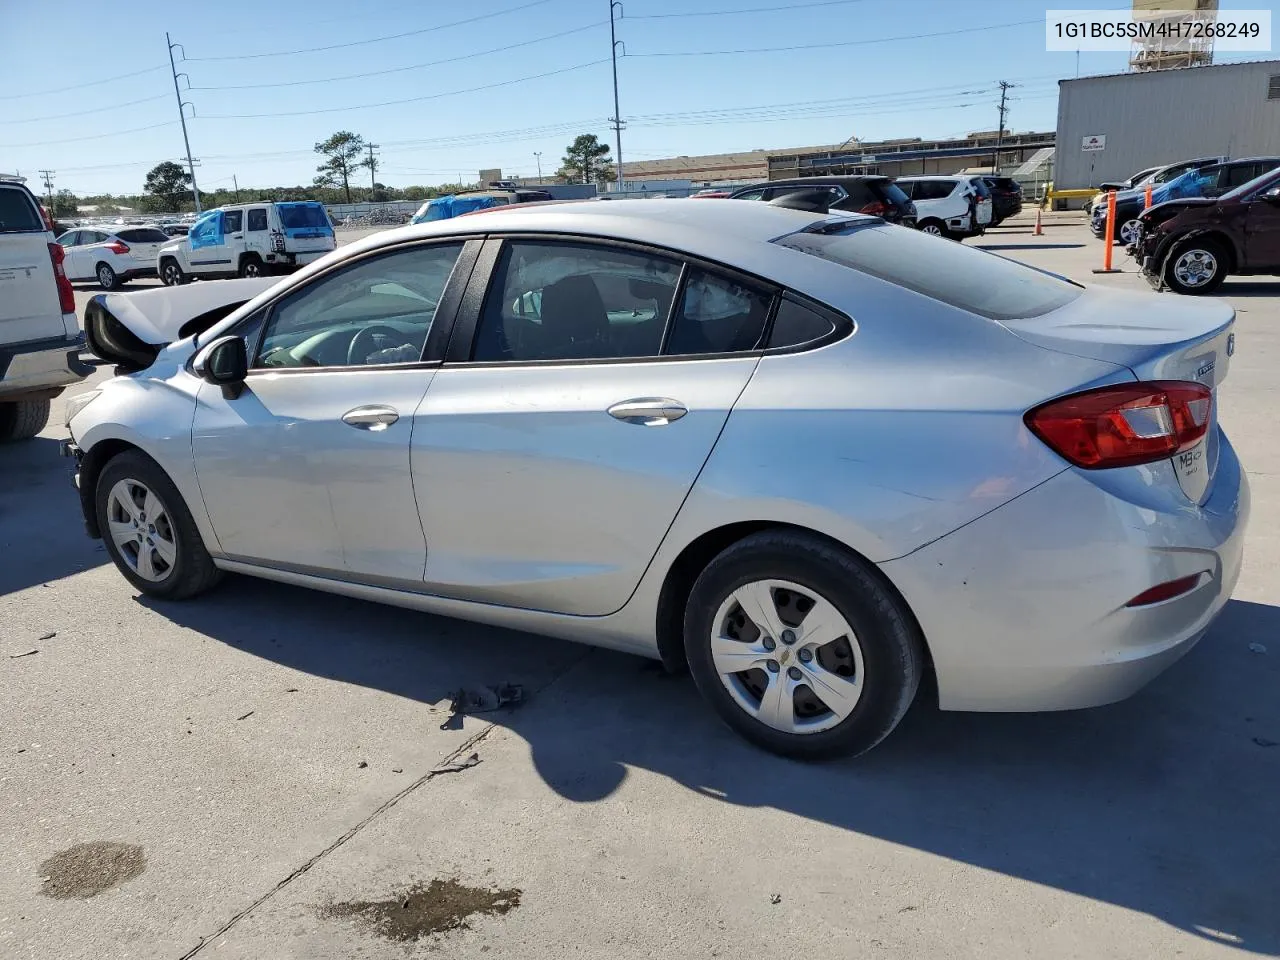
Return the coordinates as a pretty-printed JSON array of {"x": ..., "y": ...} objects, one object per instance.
[
  {"x": 1163, "y": 804},
  {"x": 42, "y": 534},
  {"x": 1247, "y": 288},
  {"x": 1027, "y": 246}
]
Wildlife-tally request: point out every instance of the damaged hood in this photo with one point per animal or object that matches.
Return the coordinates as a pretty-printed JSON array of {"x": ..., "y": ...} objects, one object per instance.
[{"x": 129, "y": 329}]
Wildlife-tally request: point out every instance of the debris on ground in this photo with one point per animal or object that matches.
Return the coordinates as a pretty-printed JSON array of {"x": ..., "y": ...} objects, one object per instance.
[
  {"x": 1257, "y": 648},
  {"x": 48, "y": 636},
  {"x": 362, "y": 764},
  {"x": 88, "y": 869},
  {"x": 291, "y": 690},
  {"x": 454, "y": 766},
  {"x": 421, "y": 911},
  {"x": 1264, "y": 742},
  {"x": 481, "y": 700},
  {"x": 24, "y": 653},
  {"x": 397, "y": 770},
  {"x": 245, "y": 716},
  {"x": 775, "y": 898}
]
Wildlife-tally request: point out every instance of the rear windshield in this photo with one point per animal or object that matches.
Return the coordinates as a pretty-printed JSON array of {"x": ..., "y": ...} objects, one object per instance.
[
  {"x": 294, "y": 216},
  {"x": 143, "y": 235},
  {"x": 894, "y": 193},
  {"x": 980, "y": 187},
  {"x": 952, "y": 273},
  {"x": 17, "y": 213}
]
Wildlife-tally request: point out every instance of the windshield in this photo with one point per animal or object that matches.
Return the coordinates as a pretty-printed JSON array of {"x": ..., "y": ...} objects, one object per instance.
[
  {"x": 17, "y": 213},
  {"x": 294, "y": 216},
  {"x": 974, "y": 280}
]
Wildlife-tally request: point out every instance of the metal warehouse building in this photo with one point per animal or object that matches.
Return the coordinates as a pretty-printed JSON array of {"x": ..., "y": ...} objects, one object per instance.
[{"x": 1110, "y": 127}]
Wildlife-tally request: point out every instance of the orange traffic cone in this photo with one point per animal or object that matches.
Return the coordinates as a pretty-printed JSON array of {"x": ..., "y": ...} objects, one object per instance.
[{"x": 1038, "y": 231}]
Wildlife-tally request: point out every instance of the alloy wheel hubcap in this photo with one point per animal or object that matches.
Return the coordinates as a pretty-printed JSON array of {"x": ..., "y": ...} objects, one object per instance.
[
  {"x": 104, "y": 276},
  {"x": 787, "y": 656},
  {"x": 933, "y": 230},
  {"x": 1129, "y": 232},
  {"x": 139, "y": 526},
  {"x": 1195, "y": 268},
  {"x": 251, "y": 270}
]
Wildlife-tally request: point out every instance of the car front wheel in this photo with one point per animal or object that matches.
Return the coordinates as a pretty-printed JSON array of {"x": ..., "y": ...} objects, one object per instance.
[
  {"x": 171, "y": 274},
  {"x": 1195, "y": 267},
  {"x": 801, "y": 647},
  {"x": 148, "y": 530}
]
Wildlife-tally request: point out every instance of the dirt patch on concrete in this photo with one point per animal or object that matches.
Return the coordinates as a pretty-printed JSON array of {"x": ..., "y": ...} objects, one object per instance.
[
  {"x": 421, "y": 911},
  {"x": 88, "y": 869}
]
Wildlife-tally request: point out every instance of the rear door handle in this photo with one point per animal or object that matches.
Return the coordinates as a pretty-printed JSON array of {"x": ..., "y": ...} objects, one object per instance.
[
  {"x": 373, "y": 418},
  {"x": 648, "y": 411}
]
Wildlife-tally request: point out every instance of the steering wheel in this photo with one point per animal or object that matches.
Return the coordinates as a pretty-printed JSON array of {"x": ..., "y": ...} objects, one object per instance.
[{"x": 362, "y": 344}]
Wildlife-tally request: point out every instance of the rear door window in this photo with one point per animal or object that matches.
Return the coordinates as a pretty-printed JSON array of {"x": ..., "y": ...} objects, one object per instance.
[
  {"x": 257, "y": 219},
  {"x": 17, "y": 213},
  {"x": 717, "y": 315},
  {"x": 973, "y": 280}
]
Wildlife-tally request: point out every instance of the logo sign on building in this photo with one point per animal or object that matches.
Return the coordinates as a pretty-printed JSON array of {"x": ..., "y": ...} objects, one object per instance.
[{"x": 1093, "y": 143}]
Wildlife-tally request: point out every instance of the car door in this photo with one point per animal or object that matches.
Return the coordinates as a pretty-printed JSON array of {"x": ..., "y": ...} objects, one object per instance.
[
  {"x": 1262, "y": 231},
  {"x": 208, "y": 245},
  {"x": 572, "y": 416},
  {"x": 257, "y": 235},
  {"x": 308, "y": 468},
  {"x": 89, "y": 252},
  {"x": 71, "y": 262}
]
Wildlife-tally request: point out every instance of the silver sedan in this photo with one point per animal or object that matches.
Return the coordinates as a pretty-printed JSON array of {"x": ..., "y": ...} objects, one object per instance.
[{"x": 811, "y": 458}]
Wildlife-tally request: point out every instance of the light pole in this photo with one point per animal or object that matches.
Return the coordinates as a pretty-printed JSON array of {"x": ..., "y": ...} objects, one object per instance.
[
  {"x": 537, "y": 155},
  {"x": 182, "y": 115},
  {"x": 617, "y": 113}
]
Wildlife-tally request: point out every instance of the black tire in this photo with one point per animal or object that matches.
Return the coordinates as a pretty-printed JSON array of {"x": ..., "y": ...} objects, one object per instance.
[
  {"x": 251, "y": 266},
  {"x": 171, "y": 274},
  {"x": 995, "y": 222},
  {"x": 107, "y": 278},
  {"x": 1207, "y": 247},
  {"x": 193, "y": 571},
  {"x": 22, "y": 419},
  {"x": 891, "y": 646}
]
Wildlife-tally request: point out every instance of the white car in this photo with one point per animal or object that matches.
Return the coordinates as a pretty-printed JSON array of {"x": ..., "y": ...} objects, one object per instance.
[
  {"x": 947, "y": 206},
  {"x": 111, "y": 258},
  {"x": 248, "y": 240}
]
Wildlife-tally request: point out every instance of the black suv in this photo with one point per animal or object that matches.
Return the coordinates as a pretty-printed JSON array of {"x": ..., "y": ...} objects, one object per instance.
[
  {"x": 873, "y": 195},
  {"x": 1006, "y": 197}
]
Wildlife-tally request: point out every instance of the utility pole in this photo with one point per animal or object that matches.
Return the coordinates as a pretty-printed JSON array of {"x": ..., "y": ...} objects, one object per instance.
[
  {"x": 48, "y": 186},
  {"x": 182, "y": 116},
  {"x": 236, "y": 183},
  {"x": 537, "y": 155},
  {"x": 617, "y": 112},
  {"x": 372, "y": 164},
  {"x": 1004, "y": 93}
]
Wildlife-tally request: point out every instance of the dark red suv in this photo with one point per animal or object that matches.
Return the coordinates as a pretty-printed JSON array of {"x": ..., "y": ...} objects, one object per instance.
[{"x": 1192, "y": 245}]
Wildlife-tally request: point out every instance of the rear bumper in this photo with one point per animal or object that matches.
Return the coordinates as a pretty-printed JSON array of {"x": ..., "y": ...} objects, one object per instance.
[
  {"x": 41, "y": 365},
  {"x": 1024, "y": 609}
]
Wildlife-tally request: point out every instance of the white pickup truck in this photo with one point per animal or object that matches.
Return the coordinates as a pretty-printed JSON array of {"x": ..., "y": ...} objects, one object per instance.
[
  {"x": 248, "y": 240},
  {"x": 40, "y": 340}
]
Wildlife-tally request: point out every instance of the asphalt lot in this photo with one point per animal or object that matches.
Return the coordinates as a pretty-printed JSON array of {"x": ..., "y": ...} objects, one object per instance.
[{"x": 264, "y": 757}]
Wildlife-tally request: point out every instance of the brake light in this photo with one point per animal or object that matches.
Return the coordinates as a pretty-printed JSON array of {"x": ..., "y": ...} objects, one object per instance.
[
  {"x": 66, "y": 296},
  {"x": 48, "y": 220},
  {"x": 875, "y": 209},
  {"x": 117, "y": 246},
  {"x": 1124, "y": 425}
]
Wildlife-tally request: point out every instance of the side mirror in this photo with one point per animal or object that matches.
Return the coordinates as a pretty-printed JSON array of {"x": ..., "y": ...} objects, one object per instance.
[
  {"x": 1272, "y": 195},
  {"x": 226, "y": 363}
]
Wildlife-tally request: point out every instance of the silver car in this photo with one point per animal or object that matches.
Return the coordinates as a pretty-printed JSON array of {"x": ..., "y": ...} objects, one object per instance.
[{"x": 812, "y": 457}]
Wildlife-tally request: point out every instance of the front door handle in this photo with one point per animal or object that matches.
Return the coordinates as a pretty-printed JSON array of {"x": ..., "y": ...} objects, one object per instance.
[
  {"x": 373, "y": 418},
  {"x": 648, "y": 411}
]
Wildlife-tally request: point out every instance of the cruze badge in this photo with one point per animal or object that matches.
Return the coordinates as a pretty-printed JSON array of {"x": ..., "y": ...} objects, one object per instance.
[{"x": 1231, "y": 344}]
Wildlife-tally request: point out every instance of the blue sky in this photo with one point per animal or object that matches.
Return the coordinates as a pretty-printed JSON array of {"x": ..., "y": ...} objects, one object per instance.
[{"x": 254, "y": 115}]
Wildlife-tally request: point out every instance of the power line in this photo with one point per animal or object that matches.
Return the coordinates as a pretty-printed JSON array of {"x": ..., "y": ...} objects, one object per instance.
[
  {"x": 414, "y": 66},
  {"x": 81, "y": 113},
  {"x": 837, "y": 43},
  {"x": 81, "y": 86},
  {"x": 719, "y": 13},
  {"x": 390, "y": 103},
  {"x": 358, "y": 43},
  {"x": 97, "y": 136}
]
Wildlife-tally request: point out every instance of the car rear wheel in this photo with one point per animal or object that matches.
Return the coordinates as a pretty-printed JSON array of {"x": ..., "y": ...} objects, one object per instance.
[
  {"x": 107, "y": 278},
  {"x": 171, "y": 274},
  {"x": 251, "y": 266},
  {"x": 935, "y": 228},
  {"x": 22, "y": 419},
  {"x": 1195, "y": 267},
  {"x": 801, "y": 647},
  {"x": 148, "y": 530}
]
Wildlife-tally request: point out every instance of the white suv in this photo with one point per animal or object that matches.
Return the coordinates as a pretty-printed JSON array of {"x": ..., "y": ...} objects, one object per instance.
[
  {"x": 111, "y": 258},
  {"x": 249, "y": 240},
  {"x": 40, "y": 340},
  {"x": 947, "y": 206}
]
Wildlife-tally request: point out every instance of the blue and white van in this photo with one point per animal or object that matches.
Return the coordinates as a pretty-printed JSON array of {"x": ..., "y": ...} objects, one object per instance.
[{"x": 248, "y": 240}]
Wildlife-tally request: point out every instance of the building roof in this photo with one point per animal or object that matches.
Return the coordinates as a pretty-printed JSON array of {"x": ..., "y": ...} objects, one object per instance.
[{"x": 1157, "y": 73}]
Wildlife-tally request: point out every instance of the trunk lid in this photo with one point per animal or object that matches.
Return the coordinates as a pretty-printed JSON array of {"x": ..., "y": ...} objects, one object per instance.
[
  {"x": 29, "y": 305},
  {"x": 1157, "y": 338}
]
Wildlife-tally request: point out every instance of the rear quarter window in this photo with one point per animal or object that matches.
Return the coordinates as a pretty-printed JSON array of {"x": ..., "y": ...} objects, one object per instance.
[
  {"x": 17, "y": 212},
  {"x": 973, "y": 280}
]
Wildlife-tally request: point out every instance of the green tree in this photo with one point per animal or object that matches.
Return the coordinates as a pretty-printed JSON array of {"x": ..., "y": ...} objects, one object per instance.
[
  {"x": 64, "y": 204},
  {"x": 342, "y": 153},
  {"x": 586, "y": 160},
  {"x": 166, "y": 185}
]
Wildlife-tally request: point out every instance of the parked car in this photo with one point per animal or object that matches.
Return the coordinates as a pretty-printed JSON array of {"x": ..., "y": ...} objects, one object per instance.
[
  {"x": 1006, "y": 198},
  {"x": 1211, "y": 181},
  {"x": 111, "y": 258},
  {"x": 997, "y": 476},
  {"x": 455, "y": 205},
  {"x": 40, "y": 339},
  {"x": 712, "y": 193},
  {"x": 947, "y": 206},
  {"x": 873, "y": 195},
  {"x": 1129, "y": 183},
  {"x": 1191, "y": 245},
  {"x": 1129, "y": 203},
  {"x": 175, "y": 229},
  {"x": 248, "y": 240}
]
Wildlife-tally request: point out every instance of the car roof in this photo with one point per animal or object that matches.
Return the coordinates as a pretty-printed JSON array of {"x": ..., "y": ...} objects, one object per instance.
[{"x": 944, "y": 176}]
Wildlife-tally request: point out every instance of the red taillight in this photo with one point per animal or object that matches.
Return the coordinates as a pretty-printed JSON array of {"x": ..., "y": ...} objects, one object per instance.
[
  {"x": 1166, "y": 591},
  {"x": 48, "y": 220},
  {"x": 116, "y": 246},
  {"x": 1124, "y": 425},
  {"x": 66, "y": 296},
  {"x": 875, "y": 209}
]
